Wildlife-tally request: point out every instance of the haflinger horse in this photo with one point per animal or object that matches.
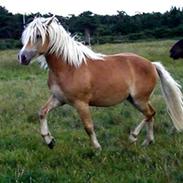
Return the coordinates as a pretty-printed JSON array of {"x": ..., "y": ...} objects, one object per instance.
[
  {"x": 176, "y": 51},
  {"x": 82, "y": 78}
]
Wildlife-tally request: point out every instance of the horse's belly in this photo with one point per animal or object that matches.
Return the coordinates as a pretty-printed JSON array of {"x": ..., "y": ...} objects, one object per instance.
[
  {"x": 108, "y": 98},
  {"x": 105, "y": 103}
]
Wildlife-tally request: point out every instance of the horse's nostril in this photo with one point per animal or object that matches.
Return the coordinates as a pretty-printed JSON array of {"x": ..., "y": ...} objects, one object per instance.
[{"x": 23, "y": 58}]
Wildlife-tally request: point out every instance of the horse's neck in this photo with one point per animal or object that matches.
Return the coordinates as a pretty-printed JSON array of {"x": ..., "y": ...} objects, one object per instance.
[{"x": 57, "y": 64}]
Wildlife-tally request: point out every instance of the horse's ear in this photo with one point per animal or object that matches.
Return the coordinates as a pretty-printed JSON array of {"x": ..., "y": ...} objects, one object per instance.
[
  {"x": 50, "y": 20},
  {"x": 36, "y": 16}
]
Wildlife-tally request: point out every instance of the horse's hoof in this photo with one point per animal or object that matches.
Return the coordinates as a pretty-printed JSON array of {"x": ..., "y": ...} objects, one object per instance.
[
  {"x": 51, "y": 144},
  {"x": 147, "y": 143},
  {"x": 97, "y": 146},
  {"x": 98, "y": 149}
]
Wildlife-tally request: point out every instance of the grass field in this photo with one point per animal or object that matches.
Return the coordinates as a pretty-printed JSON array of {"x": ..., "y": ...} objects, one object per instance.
[{"x": 25, "y": 158}]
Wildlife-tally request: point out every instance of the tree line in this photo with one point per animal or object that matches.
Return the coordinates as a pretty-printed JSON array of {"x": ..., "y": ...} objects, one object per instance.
[{"x": 93, "y": 28}]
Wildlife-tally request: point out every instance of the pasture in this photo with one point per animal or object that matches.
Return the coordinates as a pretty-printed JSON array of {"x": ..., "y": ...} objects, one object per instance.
[{"x": 25, "y": 158}]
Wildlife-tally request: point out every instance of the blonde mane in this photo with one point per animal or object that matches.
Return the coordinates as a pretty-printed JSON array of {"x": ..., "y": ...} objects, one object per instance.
[{"x": 61, "y": 43}]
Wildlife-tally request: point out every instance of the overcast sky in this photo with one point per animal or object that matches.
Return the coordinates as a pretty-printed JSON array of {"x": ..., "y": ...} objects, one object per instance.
[{"x": 66, "y": 7}]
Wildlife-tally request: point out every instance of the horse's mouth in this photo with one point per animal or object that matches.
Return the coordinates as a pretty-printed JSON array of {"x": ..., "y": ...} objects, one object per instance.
[{"x": 25, "y": 62}]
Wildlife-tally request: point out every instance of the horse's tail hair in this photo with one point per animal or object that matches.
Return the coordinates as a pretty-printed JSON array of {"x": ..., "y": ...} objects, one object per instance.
[{"x": 172, "y": 95}]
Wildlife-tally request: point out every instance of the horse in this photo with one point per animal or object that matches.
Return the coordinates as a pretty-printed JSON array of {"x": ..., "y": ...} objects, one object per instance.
[
  {"x": 176, "y": 51},
  {"x": 82, "y": 78}
]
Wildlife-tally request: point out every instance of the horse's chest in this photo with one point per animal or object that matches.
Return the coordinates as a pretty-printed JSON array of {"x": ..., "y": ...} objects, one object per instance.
[{"x": 58, "y": 93}]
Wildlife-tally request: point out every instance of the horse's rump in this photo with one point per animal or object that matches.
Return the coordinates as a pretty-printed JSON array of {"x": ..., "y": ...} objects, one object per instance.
[{"x": 119, "y": 76}]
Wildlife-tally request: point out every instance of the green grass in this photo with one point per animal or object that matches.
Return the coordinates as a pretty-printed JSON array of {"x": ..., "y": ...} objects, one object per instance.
[{"x": 25, "y": 158}]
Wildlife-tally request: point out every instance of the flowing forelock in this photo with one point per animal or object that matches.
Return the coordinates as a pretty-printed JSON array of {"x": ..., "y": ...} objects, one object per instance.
[{"x": 33, "y": 29}]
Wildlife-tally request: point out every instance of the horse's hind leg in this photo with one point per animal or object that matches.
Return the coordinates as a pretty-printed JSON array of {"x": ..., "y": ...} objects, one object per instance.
[
  {"x": 136, "y": 131},
  {"x": 84, "y": 112},
  {"x": 149, "y": 113},
  {"x": 149, "y": 118},
  {"x": 50, "y": 104}
]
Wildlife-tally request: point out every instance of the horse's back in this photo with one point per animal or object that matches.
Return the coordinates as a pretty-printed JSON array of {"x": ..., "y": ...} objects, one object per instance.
[{"x": 124, "y": 65}]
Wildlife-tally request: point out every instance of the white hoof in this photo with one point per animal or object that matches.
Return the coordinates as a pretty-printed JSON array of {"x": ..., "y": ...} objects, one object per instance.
[
  {"x": 147, "y": 142},
  {"x": 97, "y": 146},
  {"x": 48, "y": 138}
]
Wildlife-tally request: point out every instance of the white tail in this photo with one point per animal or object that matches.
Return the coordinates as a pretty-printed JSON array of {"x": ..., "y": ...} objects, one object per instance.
[{"x": 172, "y": 95}]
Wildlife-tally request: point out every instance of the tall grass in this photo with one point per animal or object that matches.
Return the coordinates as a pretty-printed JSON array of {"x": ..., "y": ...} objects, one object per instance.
[{"x": 25, "y": 158}]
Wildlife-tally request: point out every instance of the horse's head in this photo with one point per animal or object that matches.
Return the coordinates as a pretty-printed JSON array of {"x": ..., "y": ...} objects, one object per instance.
[
  {"x": 35, "y": 40},
  {"x": 176, "y": 51}
]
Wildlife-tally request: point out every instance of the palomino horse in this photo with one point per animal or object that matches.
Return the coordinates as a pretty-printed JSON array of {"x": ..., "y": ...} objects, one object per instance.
[
  {"x": 82, "y": 78},
  {"x": 176, "y": 51}
]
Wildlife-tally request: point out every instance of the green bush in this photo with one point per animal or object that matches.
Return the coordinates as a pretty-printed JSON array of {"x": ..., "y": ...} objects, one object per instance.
[{"x": 9, "y": 44}]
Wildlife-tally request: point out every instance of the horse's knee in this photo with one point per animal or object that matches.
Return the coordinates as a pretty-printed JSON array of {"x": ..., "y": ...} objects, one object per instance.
[
  {"x": 151, "y": 113},
  {"x": 42, "y": 113}
]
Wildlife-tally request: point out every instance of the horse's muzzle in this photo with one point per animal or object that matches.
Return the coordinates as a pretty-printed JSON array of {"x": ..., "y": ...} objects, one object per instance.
[
  {"x": 23, "y": 60},
  {"x": 174, "y": 56},
  {"x": 26, "y": 56}
]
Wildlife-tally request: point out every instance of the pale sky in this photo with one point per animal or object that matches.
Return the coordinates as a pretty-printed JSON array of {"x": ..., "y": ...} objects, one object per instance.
[{"x": 102, "y": 7}]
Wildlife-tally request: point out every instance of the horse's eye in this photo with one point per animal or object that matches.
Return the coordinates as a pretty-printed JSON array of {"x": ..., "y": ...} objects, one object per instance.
[{"x": 38, "y": 36}]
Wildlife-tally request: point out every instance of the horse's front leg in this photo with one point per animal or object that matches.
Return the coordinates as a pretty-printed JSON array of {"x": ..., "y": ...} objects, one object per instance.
[
  {"x": 50, "y": 104},
  {"x": 84, "y": 112}
]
